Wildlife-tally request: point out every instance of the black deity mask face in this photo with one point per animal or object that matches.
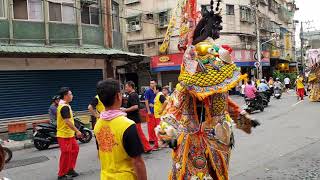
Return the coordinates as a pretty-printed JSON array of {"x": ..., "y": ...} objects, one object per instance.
[{"x": 209, "y": 25}]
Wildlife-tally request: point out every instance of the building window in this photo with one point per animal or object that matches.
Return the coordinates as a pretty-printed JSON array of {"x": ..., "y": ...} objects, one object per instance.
[
  {"x": 137, "y": 48},
  {"x": 149, "y": 16},
  {"x": 163, "y": 19},
  {"x": 115, "y": 17},
  {"x": 246, "y": 14},
  {"x": 35, "y": 9},
  {"x": 273, "y": 6},
  {"x": 29, "y": 10},
  {"x": 55, "y": 12},
  {"x": 90, "y": 14},
  {"x": 68, "y": 13},
  {"x": 62, "y": 12},
  {"x": 229, "y": 9},
  {"x": 2, "y": 9},
  {"x": 133, "y": 24},
  {"x": 151, "y": 44},
  {"x": 205, "y": 8},
  {"x": 20, "y": 9}
]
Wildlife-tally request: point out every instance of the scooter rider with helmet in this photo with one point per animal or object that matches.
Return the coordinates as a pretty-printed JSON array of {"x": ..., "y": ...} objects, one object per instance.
[
  {"x": 278, "y": 84},
  {"x": 53, "y": 109}
]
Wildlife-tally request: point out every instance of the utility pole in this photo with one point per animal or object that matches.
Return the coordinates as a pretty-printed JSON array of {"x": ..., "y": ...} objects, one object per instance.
[
  {"x": 302, "y": 44},
  {"x": 259, "y": 69}
]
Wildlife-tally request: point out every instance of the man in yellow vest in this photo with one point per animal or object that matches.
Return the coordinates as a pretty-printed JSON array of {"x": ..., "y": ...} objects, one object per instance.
[
  {"x": 159, "y": 101},
  {"x": 66, "y": 131},
  {"x": 95, "y": 108},
  {"x": 300, "y": 87},
  {"x": 120, "y": 147}
]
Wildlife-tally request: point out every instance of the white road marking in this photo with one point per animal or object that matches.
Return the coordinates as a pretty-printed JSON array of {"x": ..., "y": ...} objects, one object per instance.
[{"x": 297, "y": 103}]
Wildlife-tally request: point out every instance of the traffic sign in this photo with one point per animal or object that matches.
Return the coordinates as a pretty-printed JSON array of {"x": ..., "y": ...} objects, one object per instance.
[{"x": 257, "y": 64}]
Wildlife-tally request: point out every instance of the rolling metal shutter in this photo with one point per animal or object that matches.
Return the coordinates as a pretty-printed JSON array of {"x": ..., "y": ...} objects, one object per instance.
[{"x": 28, "y": 93}]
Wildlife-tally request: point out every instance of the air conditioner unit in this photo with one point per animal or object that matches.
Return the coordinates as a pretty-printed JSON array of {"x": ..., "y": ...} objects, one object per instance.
[
  {"x": 137, "y": 27},
  {"x": 133, "y": 28}
]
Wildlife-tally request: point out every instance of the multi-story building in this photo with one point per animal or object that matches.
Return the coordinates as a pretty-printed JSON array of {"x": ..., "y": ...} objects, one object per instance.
[
  {"x": 147, "y": 21},
  {"x": 46, "y": 44},
  {"x": 312, "y": 39}
]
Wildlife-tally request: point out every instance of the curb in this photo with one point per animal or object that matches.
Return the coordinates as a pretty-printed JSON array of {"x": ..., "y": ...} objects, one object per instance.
[{"x": 20, "y": 146}]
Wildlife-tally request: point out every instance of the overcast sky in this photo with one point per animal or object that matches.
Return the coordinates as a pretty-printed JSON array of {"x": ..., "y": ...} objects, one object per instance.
[{"x": 308, "y": 11}]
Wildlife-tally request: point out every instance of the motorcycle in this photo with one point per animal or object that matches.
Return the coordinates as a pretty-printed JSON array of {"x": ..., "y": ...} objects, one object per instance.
[
  {"x": 45, "y": 134},
  {"x": 266, "y": 95},
  {"x": 7, "y": 152},
  {"x": 254, "y": 104},
  {"x": 277, "y": 93}
]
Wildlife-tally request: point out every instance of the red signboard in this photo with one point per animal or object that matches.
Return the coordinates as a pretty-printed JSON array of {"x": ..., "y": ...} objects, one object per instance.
[
  {"x": 240, "y": 57},
  {"x": 167, "y": 60}
]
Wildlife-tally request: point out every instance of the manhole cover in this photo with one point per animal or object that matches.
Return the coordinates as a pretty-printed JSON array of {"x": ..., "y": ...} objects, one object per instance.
[{"x": 25, "y": 162}]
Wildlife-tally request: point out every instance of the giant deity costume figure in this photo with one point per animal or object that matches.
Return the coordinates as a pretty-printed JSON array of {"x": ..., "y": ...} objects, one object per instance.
[
  {"x": 200, "y": 108},
  {"x": 314, "y": 76}
]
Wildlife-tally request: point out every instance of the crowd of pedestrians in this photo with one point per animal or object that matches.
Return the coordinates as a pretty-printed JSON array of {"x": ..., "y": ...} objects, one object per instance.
[
  {"x": 249, "y": 88},
  {"x": 117, "y": 127},
  {"x": 117, "y": 124}
]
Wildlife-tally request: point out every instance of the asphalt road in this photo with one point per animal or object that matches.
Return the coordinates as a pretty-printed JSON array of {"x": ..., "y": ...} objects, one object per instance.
[{"x": 285, "y": 146}]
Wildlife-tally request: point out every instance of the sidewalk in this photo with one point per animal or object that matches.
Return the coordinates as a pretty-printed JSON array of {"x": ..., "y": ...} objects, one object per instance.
[{"x": 18, "y": 145}]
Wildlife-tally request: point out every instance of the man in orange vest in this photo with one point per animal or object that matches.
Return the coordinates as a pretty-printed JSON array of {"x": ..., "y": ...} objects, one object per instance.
[
  {"x": 65, "y": 134},
  {"x": 120, "y": 147}
]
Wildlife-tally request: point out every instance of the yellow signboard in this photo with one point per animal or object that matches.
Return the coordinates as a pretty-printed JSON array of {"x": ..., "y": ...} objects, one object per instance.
[
  {"x": 288, "y": 46},
  {"x": 275, "y": 53}
]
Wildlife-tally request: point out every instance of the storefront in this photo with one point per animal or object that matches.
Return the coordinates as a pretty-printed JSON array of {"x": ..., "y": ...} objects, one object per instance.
[
  {"x": 246, "y": 59},
  {"x": 280, "y": 62},
  {"x": 167, "y": 68}
]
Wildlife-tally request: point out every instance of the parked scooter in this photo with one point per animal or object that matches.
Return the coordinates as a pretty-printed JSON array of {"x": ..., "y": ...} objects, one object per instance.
[
  {"x": 45, "y": 134},
  {"x": 277, "y": 93},
  {"x": 254, "y": 104}
]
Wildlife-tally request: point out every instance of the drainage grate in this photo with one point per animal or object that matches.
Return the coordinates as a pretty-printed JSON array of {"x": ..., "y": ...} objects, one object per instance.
[{"x": 25, "y": 162}]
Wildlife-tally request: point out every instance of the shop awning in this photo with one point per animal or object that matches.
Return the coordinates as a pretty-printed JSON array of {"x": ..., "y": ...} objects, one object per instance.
[
  {"x": 42, "y": 50},
  {"x": 247, "y": 64}
]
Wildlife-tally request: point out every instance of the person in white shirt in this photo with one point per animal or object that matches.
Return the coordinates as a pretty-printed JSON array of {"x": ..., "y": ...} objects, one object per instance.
[
  {"x": 287, "y": 83},
  {"x": 278, "y": 84}
]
